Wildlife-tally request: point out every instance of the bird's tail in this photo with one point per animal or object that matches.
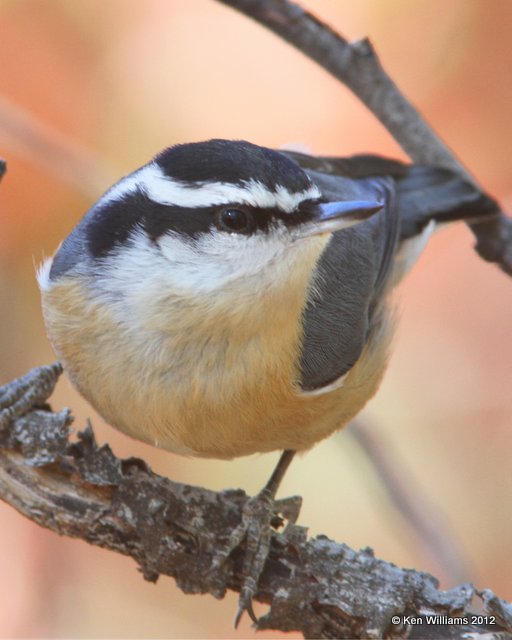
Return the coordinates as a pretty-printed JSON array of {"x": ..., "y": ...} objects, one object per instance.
[
  {"x": 430, "y": 195},
  {"x": 428, "y": 199}
]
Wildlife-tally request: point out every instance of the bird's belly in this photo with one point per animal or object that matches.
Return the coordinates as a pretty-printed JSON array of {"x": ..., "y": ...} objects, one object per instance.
[
  {"x": 235, "y": 413},
  {"x": 206, "y": 398}
]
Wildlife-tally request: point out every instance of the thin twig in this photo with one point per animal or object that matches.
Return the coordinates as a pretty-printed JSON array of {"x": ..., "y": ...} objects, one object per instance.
[
  {"x": 404, "y": 493},
  {"x": 69, "y": 161}
]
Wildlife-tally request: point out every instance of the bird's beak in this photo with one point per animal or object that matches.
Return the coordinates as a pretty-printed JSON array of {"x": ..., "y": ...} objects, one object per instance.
[{"x": 332, "y": 216}]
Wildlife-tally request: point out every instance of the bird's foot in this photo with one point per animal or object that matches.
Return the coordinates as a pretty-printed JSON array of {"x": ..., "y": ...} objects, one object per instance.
[
  {"x": 21, "y": 395},
  {"x": 260, "y": 515}
]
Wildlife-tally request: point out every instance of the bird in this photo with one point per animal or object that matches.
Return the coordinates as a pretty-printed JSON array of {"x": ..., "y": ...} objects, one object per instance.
[{"x": 227, "y": 299}]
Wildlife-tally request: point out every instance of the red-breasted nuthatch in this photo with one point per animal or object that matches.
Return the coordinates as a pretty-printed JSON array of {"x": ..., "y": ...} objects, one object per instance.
[{"x": 227, "y": 299}]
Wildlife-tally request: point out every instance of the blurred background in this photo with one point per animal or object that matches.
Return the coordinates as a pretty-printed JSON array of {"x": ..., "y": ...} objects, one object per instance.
[{"x": 90, "y": 90}]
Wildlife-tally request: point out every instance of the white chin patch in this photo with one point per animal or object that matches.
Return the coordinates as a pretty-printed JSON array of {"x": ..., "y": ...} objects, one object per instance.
[{"x": 161, "y": 189}]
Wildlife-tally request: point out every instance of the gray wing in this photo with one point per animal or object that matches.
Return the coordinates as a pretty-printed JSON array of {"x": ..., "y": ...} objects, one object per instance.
[
  {"x": 357, "y": 264},
  {"x": 349, "y": 278}
]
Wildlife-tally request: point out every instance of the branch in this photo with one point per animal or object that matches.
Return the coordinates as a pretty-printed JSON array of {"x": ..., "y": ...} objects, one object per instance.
[
  {"x": 357, "y": 66},
  {"x": 319, "y": 587}
]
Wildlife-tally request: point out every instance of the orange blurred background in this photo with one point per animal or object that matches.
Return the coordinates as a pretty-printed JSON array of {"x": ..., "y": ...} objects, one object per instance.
[{"x": 91, "y": 89}]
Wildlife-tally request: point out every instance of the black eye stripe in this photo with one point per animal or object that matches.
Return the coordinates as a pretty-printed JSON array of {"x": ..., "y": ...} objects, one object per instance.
[
  {"x": 110, "y": 225},
  {"x": 193, "y": 222}
]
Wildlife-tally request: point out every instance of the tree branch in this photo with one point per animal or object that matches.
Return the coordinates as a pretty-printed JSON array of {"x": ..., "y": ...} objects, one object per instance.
[
  {"x": 357, "y": 66},
  {"x": 316, "y": 586}
]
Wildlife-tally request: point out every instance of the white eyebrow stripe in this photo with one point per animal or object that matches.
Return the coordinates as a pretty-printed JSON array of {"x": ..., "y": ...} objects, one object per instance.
[{"x": 166, "y": 191}]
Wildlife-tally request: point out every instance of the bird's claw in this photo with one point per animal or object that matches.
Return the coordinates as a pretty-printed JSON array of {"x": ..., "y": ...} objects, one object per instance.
[
  {"x": 258, "y": 516},
  {"x": 19, "y": 396},
  {"x": 245, "y": 604}
]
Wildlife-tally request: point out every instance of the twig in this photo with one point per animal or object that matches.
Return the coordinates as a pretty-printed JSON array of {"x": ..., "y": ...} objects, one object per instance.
[
  {"x": 66, "y": 159},
  {"x": 316, "y": 586},
  {"x": 357, "y": 66},
  {"x": 424, "y": 518}
]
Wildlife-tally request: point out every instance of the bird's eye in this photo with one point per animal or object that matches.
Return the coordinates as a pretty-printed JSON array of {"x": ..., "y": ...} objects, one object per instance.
[{"x": 234, "y": 220}]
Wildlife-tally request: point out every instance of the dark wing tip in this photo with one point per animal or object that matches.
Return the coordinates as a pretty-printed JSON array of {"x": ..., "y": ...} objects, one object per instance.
[{"x": 357, "y": 166}]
